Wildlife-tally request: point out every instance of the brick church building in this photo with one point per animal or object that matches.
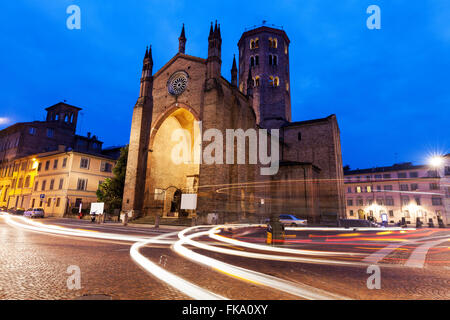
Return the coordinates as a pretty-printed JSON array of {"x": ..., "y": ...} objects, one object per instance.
[{"x": 188, "y": 90}]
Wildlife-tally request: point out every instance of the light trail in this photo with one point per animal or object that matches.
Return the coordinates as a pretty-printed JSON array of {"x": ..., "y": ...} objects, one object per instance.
[
  {"x": 176, "y": 282},
  {"x": 300, "y": 290},
  {"x": 213, "y": 235}
]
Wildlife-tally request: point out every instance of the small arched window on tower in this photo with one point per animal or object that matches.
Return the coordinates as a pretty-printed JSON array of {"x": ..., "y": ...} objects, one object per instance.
[
  {"x": 252, "y": 61},
  {"x": 270, "y": 42},
  {"x": 270, "y": 59},
  {"x": 299, "y": 136},
  {"x": 256, "y": 43},
  {"x": 275, "y": 43},
  {"x": 256, "y": 60},
  {"x": 276, "y": 82},
  {"x": 66, "y": 118},
  {"x": 271, "y": 81},
  {"x": 71, "y": 118},
  {"x": 256, "y": 81},
  {"x": 275, "y": 60},
  {"x": 252, "y": 44}
]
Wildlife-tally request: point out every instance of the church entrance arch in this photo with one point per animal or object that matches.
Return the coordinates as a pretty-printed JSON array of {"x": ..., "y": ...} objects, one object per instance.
[{"x": 172, "y": 160}]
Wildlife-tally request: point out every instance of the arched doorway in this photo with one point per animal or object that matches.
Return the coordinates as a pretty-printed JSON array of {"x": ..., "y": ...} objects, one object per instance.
[{"x": 173, "y": 159}]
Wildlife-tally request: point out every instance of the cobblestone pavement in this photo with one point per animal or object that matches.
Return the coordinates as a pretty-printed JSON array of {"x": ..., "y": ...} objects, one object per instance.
[{"x": 33, "y": 266}]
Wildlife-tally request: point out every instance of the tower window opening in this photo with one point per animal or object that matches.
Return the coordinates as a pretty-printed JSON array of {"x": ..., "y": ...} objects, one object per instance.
[
  {"x": 299, "y": 136},
  {"x": 271, "y": 81},
  {"x": 256, "y": 43},
  {"x": 256, "y": 81},
  {"x": 252, "y": 61},
  {"x": 256, "y": 60},
  {"x": 273, "y": 60},
  {"x": 273, "y": 43}
]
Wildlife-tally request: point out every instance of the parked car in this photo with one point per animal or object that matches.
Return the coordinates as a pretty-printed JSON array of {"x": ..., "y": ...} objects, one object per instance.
[
  {"x": 290, "y": 220},
  {"x": 357, "y": 223},
  {"x": 34, "y": 213},
  {"x": 18, "y": 211}
]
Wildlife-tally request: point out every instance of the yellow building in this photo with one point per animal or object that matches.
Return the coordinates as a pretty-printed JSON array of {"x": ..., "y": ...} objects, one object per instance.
[{"x": 56, "y": 181}]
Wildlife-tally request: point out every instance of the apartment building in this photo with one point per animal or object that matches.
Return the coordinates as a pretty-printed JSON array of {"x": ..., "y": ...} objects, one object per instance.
[
  {"x": 400, "y": 191},
  {"x": 56, "y": 181}
]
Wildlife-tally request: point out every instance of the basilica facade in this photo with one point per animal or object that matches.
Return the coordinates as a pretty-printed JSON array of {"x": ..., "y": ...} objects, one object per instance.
[{"x": 190, "y": 94}]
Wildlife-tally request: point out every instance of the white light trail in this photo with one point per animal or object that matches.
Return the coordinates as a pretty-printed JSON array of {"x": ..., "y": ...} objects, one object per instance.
[
  {"x": 213, "y": 235},
  {"x": 296, "y": 289},
  {"x": 176, "y": 282}
]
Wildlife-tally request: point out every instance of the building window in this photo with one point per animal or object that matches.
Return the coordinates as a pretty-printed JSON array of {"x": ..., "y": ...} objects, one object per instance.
[
  {"x": 106, "y": 167},
  {"x": 52, "y": 183},
  {"x": 84, "y": 163},
  {"x": 434, "y": 186},
  {"x": 436, "y": 201},
  {"x": 380, "y": 201},
  {"x": 405, "y": 200},
  {"x": 369, "y": 201},
  {"x": 27, "y": 182},
  {"x": 273, "y": 43},
  {"x": 61, "y": 182},
  {"x": 256, "y": 81},
  {"x": 47, "y": 165},
  {"x": 273, "y": 60},
  {"x": 299, "y": 136},
  {"x": 351, "y": 213},
  {"x": 50, "y": 133},
  {"x": 404, "y": 187},
  {"x": 252, "y": 61},
  {"x": 349, "y": 190},
  {"x": 391, "y": 213},
  {"x": 388, "y": 188},
  {"x": 447, "y": 171},
  {"x": 386, "y": 176},
  {"x": 58, "y": 201},
  {"x": 358, "y": 189},
  {"x": 414, "y": 174},
  {"x": 389, "y": 201},
  {"x": 39, "y": 166},
  {"x": 49, "y": 202},
  {"x": 55, "y": 163},
  {"x": 254, "y": 43},
  {"x": 350, "y": 202},
  {"x": 401, "y": 175},
  {"x": 360, "y": 202},
  {"x": 36, "y": 185},
  {"x": 433, "y": 174},
  {"x": 64, "y": 164},
  {"x": 378, "y": 176},
  {"x": 414, "y": 186},
  {"x": 32, "y": 131},
  {"x": 417, "y": 199},
  {"x": 82, "y": 184},
  {"x": 43, "y": 185}
]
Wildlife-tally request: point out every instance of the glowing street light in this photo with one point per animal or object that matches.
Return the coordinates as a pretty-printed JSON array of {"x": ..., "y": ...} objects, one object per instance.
[{"x": 436, "y": 161}]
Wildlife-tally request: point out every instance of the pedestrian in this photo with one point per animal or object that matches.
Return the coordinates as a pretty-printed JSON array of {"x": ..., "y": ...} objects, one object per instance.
[{"x": 93, "y": 217}]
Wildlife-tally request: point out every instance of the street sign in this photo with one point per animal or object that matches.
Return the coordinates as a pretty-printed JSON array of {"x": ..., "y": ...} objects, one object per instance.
[
  {"x": 97, "y": 207},
  {"x": 189, "y": 201},
  {"x": 42, "y": 196}
]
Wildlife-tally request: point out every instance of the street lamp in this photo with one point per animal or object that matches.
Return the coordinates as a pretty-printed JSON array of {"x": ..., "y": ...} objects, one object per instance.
[{"x": 436, "y": 161}]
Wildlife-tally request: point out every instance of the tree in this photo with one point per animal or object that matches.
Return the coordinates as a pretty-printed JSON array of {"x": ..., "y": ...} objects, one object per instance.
[
  {"x": 111, "y": 190},
  {"x": 347, "y": 168}
]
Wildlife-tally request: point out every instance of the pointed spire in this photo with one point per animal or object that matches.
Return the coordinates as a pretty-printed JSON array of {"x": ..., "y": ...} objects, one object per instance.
[
  {"x": 146, "y": 53},
  {"x": 211, "y": 31},
  {"x": 218, "y": 32},
  {"x": 150, "y": 55},
  {"x": 234, "y": 72},
  {"x": 182, "y": 36},
  {"x": 182, "y": 41},
  {"x": 216, "y": 35}
]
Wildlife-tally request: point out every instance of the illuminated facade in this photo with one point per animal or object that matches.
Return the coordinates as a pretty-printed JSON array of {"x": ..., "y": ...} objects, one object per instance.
[
  {"x": 55, "y": 181},
  {"x": 188, "y": 90},
  {"x": 400, "y": 191}
]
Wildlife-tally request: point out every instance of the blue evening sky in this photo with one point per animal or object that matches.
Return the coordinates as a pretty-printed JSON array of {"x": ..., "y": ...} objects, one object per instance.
[{"x": 389, "y": 88}]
